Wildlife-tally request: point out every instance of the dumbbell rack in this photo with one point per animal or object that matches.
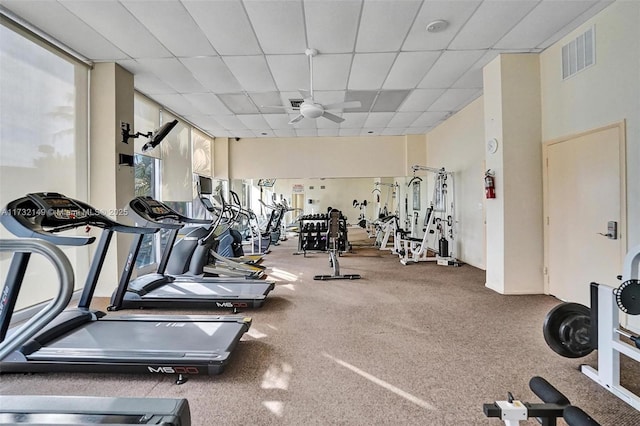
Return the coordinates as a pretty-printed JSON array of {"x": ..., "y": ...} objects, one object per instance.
[{"x": 312, "y": 234}]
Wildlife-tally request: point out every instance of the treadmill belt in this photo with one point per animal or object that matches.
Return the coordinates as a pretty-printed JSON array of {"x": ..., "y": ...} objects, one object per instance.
[
  {"x": 120, "y": 339},
  {"x": 199, "y": 290}
]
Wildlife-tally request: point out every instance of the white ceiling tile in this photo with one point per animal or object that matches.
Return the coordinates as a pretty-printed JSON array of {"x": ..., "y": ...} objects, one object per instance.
[
  {"x": 212, "y": 73},
  {"x": 277, "y": 121},
  {"x": 491, "y": 21},
  {"x": 264, "y": 133},
  {"x": 285, "y": 132},
  {"x": 393, "y": 131},
  {"x": 378, "y": 119},
  {"x": 389, "y": 100},
  {"x": 149, "y": 84},
  {"x": 252, "y": 72},
  {"x": 349, "y": 132},
  {"x": 409, "y": 69},
  {"x": 306, "y": 132},
  {"x": 174, "y": 73},
  {"x": 454, "y": 99},
  {"x": 226, "y": 25},
  {"x": 207, "y": 103},
  {"x": 332, "y": 25},
  {"x": 291, "y": 72},
  {"x": 449, "y": 67},
  {"x": 329, "y": 132},
  {"x": 264, "y": 100},
  {"x": 326, "y": 97},
  {"x": 545, "y": 20},
  {"x": 429, "y": 118},
  {"x": 278, "y": 24},
  {"x": 369, "y": 70},
  {"x": 353, "y": 120},
  {"x": 170, "y": 23},
  {"x": 372, "y": 131},
  {"x": 384, "y": 24},
  {"x": 404, "y": 119},
  {"x": 420, "y": 99},
  {"x": 176, "y": 102},
  {"x": 116, "y": 23},
  {"x": 60, "y": 23},
  {"x": 455, "y": 13},
  {"x": 254, "y": 121},
  {"x": 238, "y": 103},
  {"x": 230, "y": 122},
  {"x": 221, "y": 134},
  {"x": 331, "y": 72}
]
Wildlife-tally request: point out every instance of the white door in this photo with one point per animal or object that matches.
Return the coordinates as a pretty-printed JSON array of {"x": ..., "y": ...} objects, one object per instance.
[{"x": 583, "y": 193}]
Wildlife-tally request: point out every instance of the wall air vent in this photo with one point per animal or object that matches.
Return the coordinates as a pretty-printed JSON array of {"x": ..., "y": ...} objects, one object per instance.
[
  {"x": 295, "y": 103},
  {"x": 579, "y": 53}
]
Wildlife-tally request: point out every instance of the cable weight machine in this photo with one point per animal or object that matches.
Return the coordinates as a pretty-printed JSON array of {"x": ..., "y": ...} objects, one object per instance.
[{"x": 439, "y": 225}]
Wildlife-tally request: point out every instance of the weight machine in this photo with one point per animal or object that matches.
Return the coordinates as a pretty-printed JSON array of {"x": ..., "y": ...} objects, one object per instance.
[
  {"x": 439, "y": 225},
  {"x": 385, "y": 223},
  {"x": 574, "y": 330}
]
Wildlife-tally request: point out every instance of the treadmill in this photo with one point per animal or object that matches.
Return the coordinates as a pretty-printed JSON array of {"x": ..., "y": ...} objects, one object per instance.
[
  {"x": 162, "y": 290},
  {"x": 85, "y": 340},
  {"x": 68, "y": 410}
]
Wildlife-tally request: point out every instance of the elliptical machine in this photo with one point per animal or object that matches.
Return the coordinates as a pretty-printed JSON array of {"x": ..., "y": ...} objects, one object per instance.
[{"x": 333, "y": 247}]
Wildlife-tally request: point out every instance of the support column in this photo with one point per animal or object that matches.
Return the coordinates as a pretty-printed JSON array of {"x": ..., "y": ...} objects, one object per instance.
[
  {"x": 112, "y": 184},
  {"x": 514, "y": 218}
]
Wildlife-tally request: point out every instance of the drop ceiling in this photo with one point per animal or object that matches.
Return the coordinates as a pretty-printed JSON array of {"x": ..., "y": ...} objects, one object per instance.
[{"x": 221, "y": 63}]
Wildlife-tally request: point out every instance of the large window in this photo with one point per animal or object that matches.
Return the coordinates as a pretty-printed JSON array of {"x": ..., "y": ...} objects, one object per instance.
[{"x": 43, "y": 139}]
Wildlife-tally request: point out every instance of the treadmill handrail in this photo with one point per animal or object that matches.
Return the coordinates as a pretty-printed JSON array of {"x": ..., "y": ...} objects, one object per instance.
[
  {"x": 65, "y": 276},
  {"x": 32, "y": 217}
]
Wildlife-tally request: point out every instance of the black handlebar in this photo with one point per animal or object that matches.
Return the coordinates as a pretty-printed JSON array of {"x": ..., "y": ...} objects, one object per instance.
[{"x": 44, "y": 214}]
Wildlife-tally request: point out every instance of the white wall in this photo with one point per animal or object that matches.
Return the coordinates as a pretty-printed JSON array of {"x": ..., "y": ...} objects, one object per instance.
[
  {"x": 605, "y": 93},
  {"x": 458, "y": 146},
  {"x": 320, "y": 157}
]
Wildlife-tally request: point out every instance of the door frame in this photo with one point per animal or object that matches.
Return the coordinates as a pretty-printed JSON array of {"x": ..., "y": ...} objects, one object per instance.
[{"x": 622, "y": 229}]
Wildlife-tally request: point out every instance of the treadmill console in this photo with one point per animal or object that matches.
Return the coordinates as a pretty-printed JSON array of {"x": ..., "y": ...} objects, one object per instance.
[
  {"x": 153, "y": 209},
  {"x": 57, "y": 208}
]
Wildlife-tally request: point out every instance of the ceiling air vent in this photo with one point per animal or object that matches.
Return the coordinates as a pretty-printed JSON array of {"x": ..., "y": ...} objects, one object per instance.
[
  {"x": 295, "y": 103},
  {"x": 579, "y": 53}
]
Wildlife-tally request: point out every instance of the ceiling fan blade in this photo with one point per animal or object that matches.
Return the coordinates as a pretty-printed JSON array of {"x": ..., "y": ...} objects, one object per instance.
[
  {"x": 296, "y": 119},
  {"x": 344, "y": 105},
  {"x": 305, "y": 94},
  {"x": 275, "y": 106},
  {"x": 332, "y": 117}
]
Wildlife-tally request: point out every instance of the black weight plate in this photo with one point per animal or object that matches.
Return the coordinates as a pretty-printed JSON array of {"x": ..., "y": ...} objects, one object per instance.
[
  {"x": 567, "y": 330},
  {"x": 628, "y": 297}
]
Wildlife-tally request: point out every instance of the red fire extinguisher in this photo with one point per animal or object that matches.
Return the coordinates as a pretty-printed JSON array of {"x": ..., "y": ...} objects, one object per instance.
[{"x": 489, "y": 185}]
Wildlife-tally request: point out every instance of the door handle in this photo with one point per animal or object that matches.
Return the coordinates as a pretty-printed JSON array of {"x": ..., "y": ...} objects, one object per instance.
[{"x": 612, "y": 230}]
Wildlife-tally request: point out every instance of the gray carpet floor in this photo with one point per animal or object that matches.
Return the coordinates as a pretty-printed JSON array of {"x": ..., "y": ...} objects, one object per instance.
[{"x": 414, "y": 345}]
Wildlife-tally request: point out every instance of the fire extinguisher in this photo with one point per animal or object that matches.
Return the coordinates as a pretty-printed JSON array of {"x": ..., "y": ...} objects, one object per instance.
[{"x": 489, "y": 185}]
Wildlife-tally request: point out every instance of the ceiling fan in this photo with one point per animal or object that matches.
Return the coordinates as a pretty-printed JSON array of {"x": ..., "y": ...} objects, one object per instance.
[{"x": 309, "y": 108}]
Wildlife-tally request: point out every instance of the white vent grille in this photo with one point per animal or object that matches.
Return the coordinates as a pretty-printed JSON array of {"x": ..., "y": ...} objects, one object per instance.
[{"x": 579, "y": 54}]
